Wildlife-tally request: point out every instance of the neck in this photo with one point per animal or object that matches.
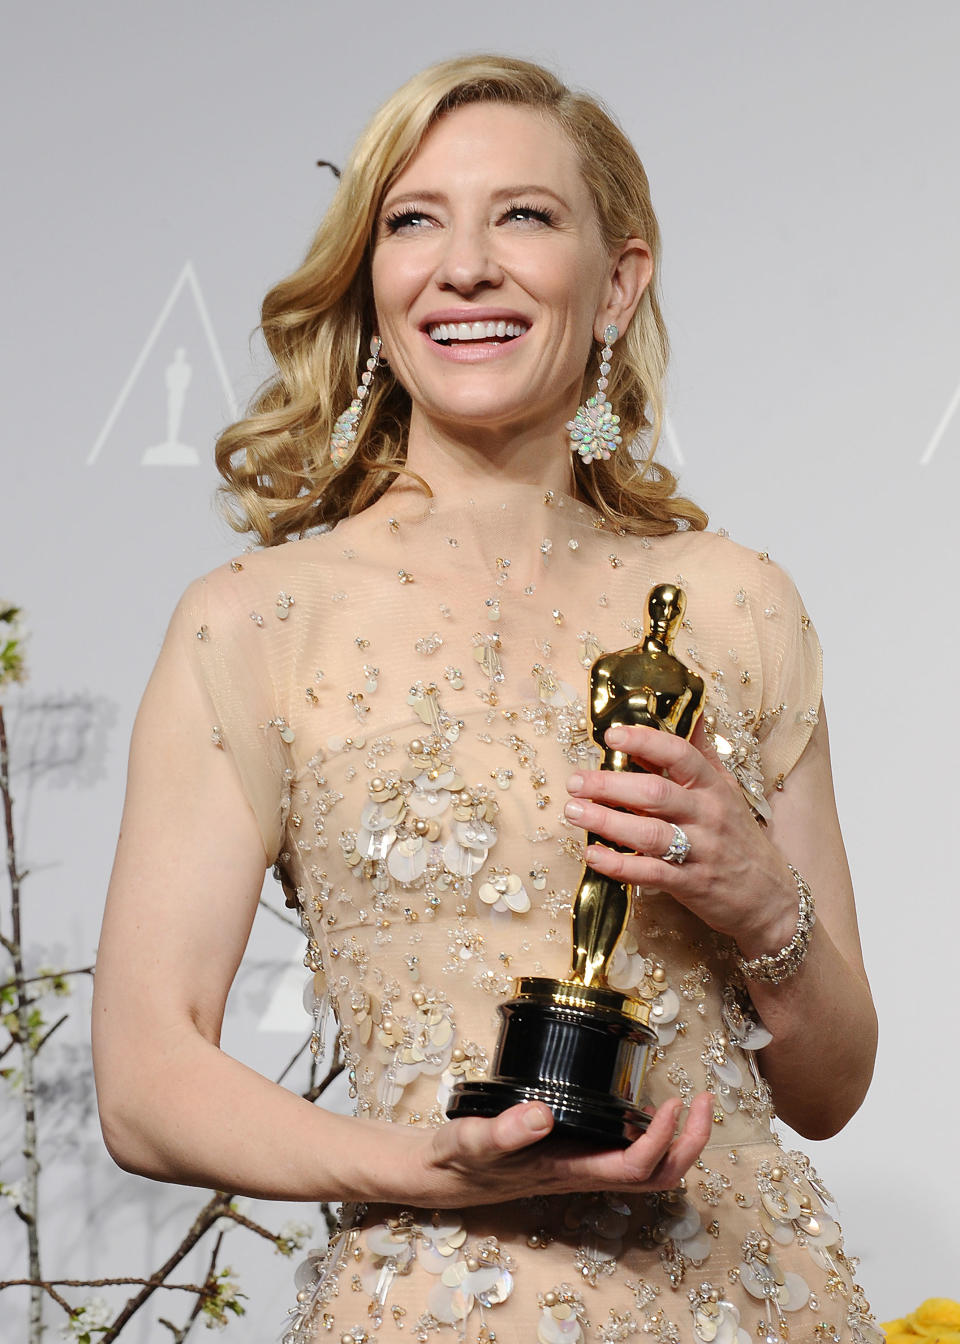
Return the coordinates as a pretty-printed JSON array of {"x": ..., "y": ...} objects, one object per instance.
[{"x": 486, "y": 463}]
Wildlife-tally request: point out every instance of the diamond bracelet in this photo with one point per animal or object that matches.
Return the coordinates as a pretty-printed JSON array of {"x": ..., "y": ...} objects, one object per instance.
[{"x": 781, "y": 965}]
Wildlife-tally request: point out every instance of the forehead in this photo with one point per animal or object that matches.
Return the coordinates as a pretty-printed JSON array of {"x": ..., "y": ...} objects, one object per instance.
[{"x": 495, "y": 145}]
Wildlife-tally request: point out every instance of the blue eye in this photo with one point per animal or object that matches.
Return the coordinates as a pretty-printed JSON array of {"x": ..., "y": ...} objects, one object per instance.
[
  {"x": 541, "y": 214},
  {"x": 404, "y": 219}
]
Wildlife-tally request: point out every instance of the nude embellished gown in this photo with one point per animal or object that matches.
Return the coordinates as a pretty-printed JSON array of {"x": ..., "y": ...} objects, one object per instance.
[{"x": 403, "y": 698}]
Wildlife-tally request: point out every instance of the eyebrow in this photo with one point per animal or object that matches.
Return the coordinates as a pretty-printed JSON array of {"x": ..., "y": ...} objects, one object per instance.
[{"x": 505, "y": 193}]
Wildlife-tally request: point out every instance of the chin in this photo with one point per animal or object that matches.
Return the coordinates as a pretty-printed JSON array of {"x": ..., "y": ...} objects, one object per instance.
[{"x": 492, "y": 414}]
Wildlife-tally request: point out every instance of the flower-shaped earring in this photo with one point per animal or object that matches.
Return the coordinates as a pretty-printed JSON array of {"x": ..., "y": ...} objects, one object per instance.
[{"x": 595, "y": 429}]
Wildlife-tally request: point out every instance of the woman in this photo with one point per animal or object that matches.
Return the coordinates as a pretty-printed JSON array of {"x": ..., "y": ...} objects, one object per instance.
[{"x": 389, "y": 709}]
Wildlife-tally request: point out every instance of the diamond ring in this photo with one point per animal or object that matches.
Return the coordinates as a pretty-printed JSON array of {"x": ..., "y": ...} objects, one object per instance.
[{"x": 678, "y": 850}]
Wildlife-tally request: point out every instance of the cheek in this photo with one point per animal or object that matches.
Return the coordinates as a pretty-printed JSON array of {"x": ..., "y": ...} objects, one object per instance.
[
  {"x": 568, "y": 281},
  {"x": 384, "y": 283},
  {"x": 397, "y": 279}
]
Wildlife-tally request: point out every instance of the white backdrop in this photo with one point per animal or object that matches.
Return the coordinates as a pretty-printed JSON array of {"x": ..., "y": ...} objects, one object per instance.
[{"x": 160, "y": 176}]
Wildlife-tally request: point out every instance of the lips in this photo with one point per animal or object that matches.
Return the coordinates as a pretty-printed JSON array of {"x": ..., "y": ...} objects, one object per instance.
[{"x": 449, "y": 333}]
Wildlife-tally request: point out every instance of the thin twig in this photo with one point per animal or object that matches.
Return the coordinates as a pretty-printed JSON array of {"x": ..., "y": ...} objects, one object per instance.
[
  {"x": 208, "y": 1281},
  {"x": 180, "y": 1332},
  {"x": 215, "y": 1208},
  {"x": 99, "y": 1283},
  {"x": 49, "y": 1032},
  {"x": 48, "y": 975},
  {"x": 294, "y": 1057},
  {"x": 251, "y": 1225},
  {"x": 60, "y": 1301},
  {"x": 337, "y": 1066}
]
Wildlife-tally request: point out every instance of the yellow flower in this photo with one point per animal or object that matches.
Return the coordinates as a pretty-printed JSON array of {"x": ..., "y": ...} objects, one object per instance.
[
  {"x": 937, "y": 1321},
  {"x": 938, "y": 1312}
]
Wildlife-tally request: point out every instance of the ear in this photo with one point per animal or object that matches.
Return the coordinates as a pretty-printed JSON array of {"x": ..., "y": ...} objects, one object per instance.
[{"x": 630, "y": 273}]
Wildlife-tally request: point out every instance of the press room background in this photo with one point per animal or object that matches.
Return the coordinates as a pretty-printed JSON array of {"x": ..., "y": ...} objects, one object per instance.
[{"x": 160, "y": 175}]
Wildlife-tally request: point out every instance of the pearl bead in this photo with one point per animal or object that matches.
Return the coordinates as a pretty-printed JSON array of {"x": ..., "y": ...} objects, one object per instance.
[
  {"x": 472, "y": 1264},
  {"x": 776, "y": 1174},
  {"x": 550, "y": 1299},
  {"x": 763, "y": 1246}
]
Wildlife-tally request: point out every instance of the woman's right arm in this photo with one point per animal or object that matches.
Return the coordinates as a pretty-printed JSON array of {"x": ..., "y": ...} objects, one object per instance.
[{"x": 183, "y": 895}]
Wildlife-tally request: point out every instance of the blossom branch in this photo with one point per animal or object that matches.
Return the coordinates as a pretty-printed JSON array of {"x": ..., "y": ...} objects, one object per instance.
[
  {"x": 44, "y": 975},
  {"x": 14, "y": 945},
  {"x": 180, "y": 1332}
]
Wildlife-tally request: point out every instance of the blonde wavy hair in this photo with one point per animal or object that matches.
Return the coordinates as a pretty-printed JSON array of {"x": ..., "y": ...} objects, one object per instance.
[{"x": 279, "y": 481}]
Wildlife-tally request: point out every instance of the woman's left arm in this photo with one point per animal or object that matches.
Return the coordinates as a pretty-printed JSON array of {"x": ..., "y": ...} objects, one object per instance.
[{"x": 737, "y": 879}]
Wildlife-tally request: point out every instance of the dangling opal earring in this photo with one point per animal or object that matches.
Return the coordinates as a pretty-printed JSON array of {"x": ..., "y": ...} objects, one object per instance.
[
  {"x": 595, "y": 430},
  {"x": 345, "y": 430}
]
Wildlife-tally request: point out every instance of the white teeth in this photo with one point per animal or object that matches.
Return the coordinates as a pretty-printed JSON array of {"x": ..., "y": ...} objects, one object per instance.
[{"x": 475, "y": 331}]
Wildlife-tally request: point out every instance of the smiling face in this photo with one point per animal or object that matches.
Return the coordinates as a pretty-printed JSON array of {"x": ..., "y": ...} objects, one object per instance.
[{"x": 490, "y": 277}]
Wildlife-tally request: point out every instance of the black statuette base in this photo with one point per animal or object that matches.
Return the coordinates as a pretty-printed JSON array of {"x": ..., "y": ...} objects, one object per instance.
[{"x": 585, "y": 1060}]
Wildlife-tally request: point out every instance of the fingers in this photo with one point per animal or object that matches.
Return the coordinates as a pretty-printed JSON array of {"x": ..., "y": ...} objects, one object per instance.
[
  {"x": 657, "y": 1160},
  {"x": 687, "y": 1146},
  {"x": 641, "y": 870},
  {"x": 634, "y": 832},
  {"x": 519, "y": 1126},
  {"x": 474, "y": 1141},
  {"x": 651, "y": 794},
  {"x": 662, "y": 751},
  {"x": 647, "y": 1153},
  {"x": 660, "y": 1157}
]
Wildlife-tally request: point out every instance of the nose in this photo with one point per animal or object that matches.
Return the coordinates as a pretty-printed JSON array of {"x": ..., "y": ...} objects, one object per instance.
[{"x": 468, "y": 262}]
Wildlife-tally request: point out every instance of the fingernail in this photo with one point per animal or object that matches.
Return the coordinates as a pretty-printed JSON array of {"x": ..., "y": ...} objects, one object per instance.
[
  {"x": 593, "y": 853},
  {"x": 575, "y": 783},
  {"x": 615, "y": 737},
  {"x": 537, "y": 1118},
  {"x": 573, "y": 810}
]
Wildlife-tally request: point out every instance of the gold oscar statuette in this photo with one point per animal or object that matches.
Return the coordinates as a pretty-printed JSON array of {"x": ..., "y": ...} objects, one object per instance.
[{"x": 578, "y": 1044}]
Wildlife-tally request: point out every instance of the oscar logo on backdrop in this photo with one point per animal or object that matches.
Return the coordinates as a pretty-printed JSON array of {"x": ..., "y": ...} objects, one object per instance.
[
  {"x": 171, "y": 452},
  {"x": 183, "y": 322}
]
